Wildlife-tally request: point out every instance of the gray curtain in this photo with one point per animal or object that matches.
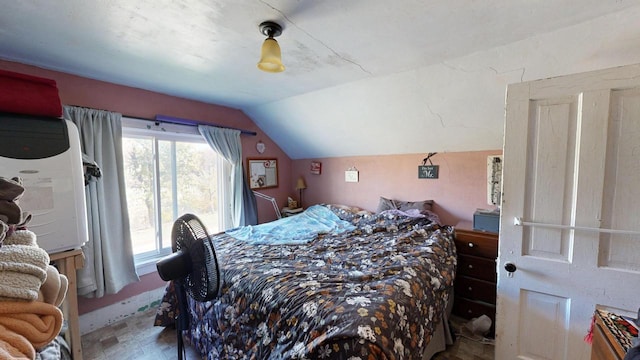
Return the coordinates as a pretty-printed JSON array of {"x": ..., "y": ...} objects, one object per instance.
[
  {"x": 109, "y": 264},
  {"x": 226, "y": 142},
  {"x": 249, "y": 204}
]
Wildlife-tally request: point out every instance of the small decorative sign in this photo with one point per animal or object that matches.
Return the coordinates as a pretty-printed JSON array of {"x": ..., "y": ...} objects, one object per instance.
[
  {"x": 494, "y": 179},
  {"x": 428, "y": 172},
  {"x": 316, "y": 167},
  {"x": 351, "y": 176},
  {"x": 262, "y": 173}
]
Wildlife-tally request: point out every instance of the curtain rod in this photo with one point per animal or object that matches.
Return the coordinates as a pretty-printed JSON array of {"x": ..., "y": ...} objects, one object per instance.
[{"x": 179, "y": 121}]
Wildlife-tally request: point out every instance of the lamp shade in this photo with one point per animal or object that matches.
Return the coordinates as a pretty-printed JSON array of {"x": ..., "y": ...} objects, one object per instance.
[
  {"x": 301, "y": 184},
  {"x": 270, "y": 57}
]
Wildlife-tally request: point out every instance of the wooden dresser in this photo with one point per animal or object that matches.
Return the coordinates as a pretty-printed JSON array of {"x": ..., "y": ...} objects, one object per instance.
[{"x": 475, "y": 284}]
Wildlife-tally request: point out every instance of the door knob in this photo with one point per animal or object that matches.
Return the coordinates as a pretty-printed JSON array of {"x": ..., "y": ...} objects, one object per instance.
[{"x": 511, "y": 268}]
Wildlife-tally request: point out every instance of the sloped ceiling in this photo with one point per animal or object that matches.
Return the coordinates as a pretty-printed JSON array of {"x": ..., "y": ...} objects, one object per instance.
[{"x": 363, "y": 77}]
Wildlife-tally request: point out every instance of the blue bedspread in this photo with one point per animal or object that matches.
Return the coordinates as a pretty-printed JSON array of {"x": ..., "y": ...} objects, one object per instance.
[{"x": 298, "y": 229}]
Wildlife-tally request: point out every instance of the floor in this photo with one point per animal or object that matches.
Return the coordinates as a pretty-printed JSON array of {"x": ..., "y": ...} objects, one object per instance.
[
  {"x": 132, "y": 338},
  {"x": 464, "y": 348},
  {"x": 137, "y": 338}
]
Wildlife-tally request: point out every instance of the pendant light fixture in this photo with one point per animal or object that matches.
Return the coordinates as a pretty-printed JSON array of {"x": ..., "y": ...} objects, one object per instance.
[{"x": 270, "y": 57}]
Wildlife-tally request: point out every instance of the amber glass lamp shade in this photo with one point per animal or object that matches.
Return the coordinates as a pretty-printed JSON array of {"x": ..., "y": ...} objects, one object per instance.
[
  {"x": 301, "y": 184},
  {"x": 270, "y": 57}
]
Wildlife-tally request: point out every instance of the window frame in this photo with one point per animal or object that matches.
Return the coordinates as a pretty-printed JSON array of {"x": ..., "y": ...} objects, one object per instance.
[{"x": 155, "y": 131}]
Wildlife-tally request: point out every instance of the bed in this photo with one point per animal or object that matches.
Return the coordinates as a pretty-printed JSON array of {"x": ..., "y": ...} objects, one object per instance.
[{"x": 375, "y": 286}]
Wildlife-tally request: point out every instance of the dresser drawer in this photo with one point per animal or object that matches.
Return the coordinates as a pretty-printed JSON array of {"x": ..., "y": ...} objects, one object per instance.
[
  {"x": 477, "y": 244},
  {"x": 476, "y": 267},
  {"x": 472, "y": 309},
  {"x": 475, "y": 289}
]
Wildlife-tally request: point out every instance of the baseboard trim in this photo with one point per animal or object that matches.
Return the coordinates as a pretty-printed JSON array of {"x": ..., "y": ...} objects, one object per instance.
[{"x": 113, "y": 313}]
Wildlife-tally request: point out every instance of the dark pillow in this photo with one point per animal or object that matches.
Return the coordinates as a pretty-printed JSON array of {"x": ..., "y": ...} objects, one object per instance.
[
  {"x": 348, "y": 213},
  {"x": 419, "y": 205},
  {"x": 391, "y": 204},
  {"x": 386, "y": 204}
]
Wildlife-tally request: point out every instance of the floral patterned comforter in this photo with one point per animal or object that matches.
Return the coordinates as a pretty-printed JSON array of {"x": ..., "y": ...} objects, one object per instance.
[{"x": 376, "y": 292}]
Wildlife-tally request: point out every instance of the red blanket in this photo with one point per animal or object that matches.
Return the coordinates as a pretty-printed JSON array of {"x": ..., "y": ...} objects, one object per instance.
[{"x": 31, "y": 95}]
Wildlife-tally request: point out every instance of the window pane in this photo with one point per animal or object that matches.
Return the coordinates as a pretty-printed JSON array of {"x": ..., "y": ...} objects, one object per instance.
[
  {"x": 197, "y": 183},
  {"x": 187, "y": 182},
  {"x": 138, "y": 166},
  {"x": 167, "y": 172}
]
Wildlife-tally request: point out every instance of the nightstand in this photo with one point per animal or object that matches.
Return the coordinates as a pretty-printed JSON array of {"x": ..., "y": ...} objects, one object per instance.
[
  {"x": 475, "y": 283},
  {"x": 289, "y": 212}
]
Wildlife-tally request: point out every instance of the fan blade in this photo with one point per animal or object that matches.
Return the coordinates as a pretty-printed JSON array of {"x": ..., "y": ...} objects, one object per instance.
[
  {"x": 197, "y": 266},
  {"x": 202, "y": 283}
]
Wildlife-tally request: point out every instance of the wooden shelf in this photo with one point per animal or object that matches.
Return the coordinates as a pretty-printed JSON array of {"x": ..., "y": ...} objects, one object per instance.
[{"x": 67, "y": 263}]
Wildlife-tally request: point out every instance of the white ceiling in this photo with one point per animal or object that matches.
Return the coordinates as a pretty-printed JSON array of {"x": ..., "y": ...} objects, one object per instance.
[{"x": 363, "y": 77}]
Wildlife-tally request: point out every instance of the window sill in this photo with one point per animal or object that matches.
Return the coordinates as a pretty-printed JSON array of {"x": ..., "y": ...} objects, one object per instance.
[
  {"x": 147, "y": 266},
  {"x": 146, "y": 263}
]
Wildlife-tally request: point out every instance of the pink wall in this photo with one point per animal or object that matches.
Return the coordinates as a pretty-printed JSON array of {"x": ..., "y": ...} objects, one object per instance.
[
  {"x": 75, "y": 90},
  {"x": 147, "y": 282},
  {"x": 460, "y": 189}
]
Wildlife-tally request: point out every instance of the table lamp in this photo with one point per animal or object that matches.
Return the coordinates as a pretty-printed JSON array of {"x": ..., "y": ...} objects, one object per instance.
[{"x": 301, "y": 185}]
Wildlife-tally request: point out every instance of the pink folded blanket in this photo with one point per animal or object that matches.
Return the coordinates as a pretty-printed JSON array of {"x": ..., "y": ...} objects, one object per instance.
[{"x": 26, "y": 326}]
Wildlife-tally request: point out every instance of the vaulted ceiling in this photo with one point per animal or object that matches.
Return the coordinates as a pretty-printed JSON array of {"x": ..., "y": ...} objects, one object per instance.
[{"x": 363, "y": 77}]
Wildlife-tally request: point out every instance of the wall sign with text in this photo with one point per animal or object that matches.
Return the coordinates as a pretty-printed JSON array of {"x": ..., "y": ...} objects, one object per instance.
[{"x": 428, "y": 172}]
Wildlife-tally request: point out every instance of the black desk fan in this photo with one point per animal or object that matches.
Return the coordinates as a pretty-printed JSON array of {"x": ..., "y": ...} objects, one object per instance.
[{"x": 193, "y": 266}]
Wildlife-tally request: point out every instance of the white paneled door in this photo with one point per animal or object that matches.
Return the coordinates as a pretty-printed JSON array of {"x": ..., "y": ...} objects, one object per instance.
[{"x": 571, "y": 158}]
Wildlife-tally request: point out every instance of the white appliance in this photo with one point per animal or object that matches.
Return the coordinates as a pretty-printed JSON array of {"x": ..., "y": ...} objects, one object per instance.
[{"x": 45, "y": 153}]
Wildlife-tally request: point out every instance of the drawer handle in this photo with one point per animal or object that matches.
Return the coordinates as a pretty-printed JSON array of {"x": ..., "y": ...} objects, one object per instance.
[
  {"x": 469, "y": 311},
  {"x": 470, "y": 266},
  {"x": 471, "y": 245},
  {"x": 470, "y": 288}
]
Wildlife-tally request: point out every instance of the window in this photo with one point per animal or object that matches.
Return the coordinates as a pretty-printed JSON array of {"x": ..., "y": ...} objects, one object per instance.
[{"x": 169, "y": 171}]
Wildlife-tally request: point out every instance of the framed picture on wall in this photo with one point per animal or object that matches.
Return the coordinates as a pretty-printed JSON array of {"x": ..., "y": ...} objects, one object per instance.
[
  {"x": 316, "y": 167},
  {"x": 263, "y": 173},
  {"x": 494, "y": 179}
]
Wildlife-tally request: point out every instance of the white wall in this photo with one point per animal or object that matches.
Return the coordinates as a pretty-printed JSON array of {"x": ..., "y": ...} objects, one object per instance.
[{"x": 452, "y": 106}]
